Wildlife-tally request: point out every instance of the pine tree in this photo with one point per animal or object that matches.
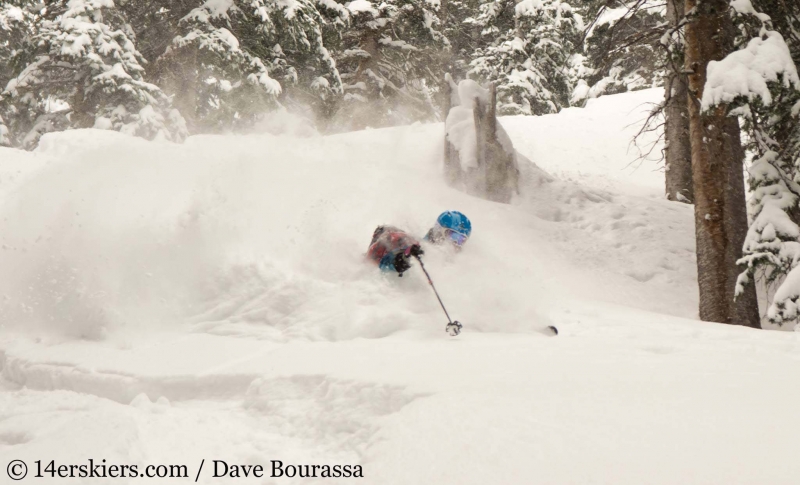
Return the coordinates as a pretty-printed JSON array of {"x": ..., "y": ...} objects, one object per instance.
[
  {"x": 308, "y": 71},
  {"x": 216, "y": 84},
  {"x": 15, "y": 25},
  {"x": 463, "y": 34},
  {"x": 527, "y": 48},
  {"x": 86, "y": 72},
  {"x": 390, "y": 63},
  {"x": 229, "y": 62},
  {"x": 16, "y": 22},
  {"x": 621, "y": 50},
  {"x": 770, "y": 112}
]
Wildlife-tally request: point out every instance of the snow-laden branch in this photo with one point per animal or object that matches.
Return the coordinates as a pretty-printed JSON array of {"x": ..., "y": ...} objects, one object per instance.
[{"x": 747, "y": 72}]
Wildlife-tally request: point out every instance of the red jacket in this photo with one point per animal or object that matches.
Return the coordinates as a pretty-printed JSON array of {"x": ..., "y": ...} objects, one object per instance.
[{"x": 388, "y": 242}]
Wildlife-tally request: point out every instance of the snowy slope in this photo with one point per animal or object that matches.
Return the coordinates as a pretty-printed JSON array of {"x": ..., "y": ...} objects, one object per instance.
[
  {"x": 594, "y": 146},
  {"x": 166, "y": 304}
]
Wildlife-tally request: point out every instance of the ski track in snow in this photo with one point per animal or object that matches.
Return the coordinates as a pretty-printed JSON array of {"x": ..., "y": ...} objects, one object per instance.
[{"x": 165, "y": 304}]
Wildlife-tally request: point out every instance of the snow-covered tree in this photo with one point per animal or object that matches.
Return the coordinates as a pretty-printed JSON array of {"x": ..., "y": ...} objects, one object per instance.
[
  {"x": 230, "y": 61},
  {"x": 390, "y": 63},
  {"x": 527, "y": 49},
  {"x": 771, "y": 252},
  {"x": 307, "y": 70},
  {"x": 86, "y": 72},
  {"x": 16, "y": 20},
  {"x": 216, "y": 83},
  {"x": 771, "y": 249},
  {"x": 760, "y": 83},
  {"x": 621, "y": 49},
  {"x": 462, "y": 34}
]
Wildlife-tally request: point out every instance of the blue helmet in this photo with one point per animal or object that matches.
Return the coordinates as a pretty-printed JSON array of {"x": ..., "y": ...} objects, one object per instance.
[
  {"x": 457, "y": 225},
  {"x": 456, "y": 221}
]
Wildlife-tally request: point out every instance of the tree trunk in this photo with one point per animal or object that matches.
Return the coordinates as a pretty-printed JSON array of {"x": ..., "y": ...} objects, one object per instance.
[
  {"x": 82, "y": 111},
  {"x": 744, "y": 311},
  {"x": 678, "y": 148},
  {"x": 517, "y": 26},
  {"x": 446, "y": 105},
  {"x": 496, "y": 176},
  {"x": 370, "y": 45},
  {"x": 717, "y": 158}
]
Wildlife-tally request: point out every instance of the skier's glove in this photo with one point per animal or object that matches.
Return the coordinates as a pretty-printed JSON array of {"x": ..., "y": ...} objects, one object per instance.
[
  {"x": 416, "y": 250},
  {"x": 401, "y": 263}
]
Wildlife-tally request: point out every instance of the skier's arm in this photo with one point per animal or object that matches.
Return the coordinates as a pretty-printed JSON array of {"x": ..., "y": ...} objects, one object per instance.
[{"x": 397, "y": 260}]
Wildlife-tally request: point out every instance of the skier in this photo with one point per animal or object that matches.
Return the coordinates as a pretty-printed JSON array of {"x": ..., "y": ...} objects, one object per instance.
[
  {"x": 391, "y": 248},
  {"x": 451, "y": 227}
]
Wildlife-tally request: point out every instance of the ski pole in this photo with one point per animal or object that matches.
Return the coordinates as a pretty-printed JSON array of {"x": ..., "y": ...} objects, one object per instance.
[{"x": 453, "y": 328}]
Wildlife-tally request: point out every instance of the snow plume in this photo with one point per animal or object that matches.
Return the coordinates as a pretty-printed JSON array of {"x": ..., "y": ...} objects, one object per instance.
[
  {"x": 289, "y": 123},
  {"x": 747, "y": 72},
  {"x": 94, "y": 257},
  {"x": 256, "y": 235}
]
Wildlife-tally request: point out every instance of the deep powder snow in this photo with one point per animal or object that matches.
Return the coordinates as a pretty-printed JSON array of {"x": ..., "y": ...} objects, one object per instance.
[{"x": 164, "y": 304}]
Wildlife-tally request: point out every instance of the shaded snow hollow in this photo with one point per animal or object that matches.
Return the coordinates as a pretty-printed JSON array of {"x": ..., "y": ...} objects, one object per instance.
[{"x": 166, "y": 303}]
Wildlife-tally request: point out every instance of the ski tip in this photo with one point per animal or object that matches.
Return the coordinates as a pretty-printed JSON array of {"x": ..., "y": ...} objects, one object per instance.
[{"x": 553, "y": 330}]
